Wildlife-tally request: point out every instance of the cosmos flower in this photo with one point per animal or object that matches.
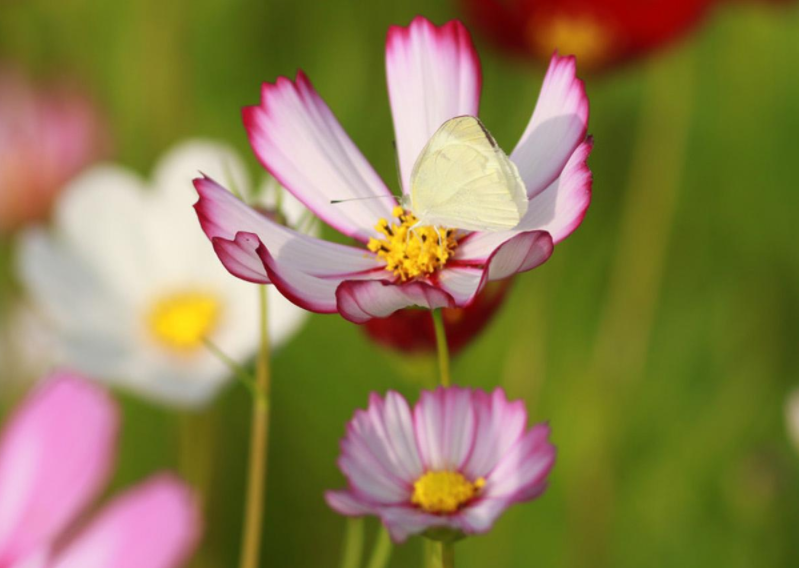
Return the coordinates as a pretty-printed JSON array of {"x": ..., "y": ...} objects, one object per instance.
[
  {"x": 449, "y": 467},
  {"x": 132, "y": 291},
  {"x": 46, "y": 137},
  {"x": 412, "y": 331},
  {"x": 601, "y": 33},
  {"x": 55, "y": 457},
  {"x": 433, "y": 76}
]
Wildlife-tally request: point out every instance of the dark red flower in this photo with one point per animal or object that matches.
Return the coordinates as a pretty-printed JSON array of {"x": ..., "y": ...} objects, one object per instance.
[
  {"x": 411, "y": 330},
  {"x": 601, "y": 33}
]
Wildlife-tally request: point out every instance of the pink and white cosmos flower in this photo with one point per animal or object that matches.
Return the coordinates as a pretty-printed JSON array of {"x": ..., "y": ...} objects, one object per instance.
[
  {"x": 449, "y": 467},
  {"x": 55, "y": 457},
  {"x": 433, "y": 75}
]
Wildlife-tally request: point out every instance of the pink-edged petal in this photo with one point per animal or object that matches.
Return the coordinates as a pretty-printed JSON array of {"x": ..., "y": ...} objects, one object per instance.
[
  {"x": 348, "y": 504},
  {"x": 558, "y": 125},
  {"x": 500, "y": 425},
  {"x": 518, "y": 252},
  {"x": 390, "y": 430},
  {"x": 155, "y": 525},
  {"x": 444, "y": 422},
  {"x": 55, "y": 456},
  {"x": 222, "y": 216},
  {"x": 480, "y": 517},
  {"x": 367, "y": 475},
  {"x": 361, "y": 300},
  {"x": 522, "y": 473},
  {"x": 402, "y": 522},
  {"x": 433, "y": 75},
  {"x": 298, "y": 139},
  {"x": 558, "y": 210}
]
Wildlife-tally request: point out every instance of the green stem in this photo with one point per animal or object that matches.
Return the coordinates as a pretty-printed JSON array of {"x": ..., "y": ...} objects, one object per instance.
[
  {"x": 382, "y": 550},
  {"x": 352, "y": 554},
  {"x": 447, "y": 555},
  {"x": 443, "y": 348},
  {"x": 259, "y": 440},
  {"x": 241, "y": 374}
]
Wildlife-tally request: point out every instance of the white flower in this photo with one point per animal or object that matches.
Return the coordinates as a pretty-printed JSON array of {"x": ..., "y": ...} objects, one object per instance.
[
  {"x": 792, "y": 417},
  {"x": 132, "y": 289}
]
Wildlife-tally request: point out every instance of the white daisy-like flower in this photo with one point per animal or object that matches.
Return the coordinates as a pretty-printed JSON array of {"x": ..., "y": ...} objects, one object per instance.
[{"x": 131, "y": 288}]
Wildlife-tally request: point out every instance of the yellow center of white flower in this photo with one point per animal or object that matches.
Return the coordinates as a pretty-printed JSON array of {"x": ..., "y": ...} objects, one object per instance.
[
  {"x": 182, "y": 321},
  {"x": 444, "y": 491},
  {"x": 411, "y": 251}
]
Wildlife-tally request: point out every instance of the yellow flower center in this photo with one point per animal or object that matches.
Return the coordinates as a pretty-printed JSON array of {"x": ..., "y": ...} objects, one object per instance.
[
  {"x": 444, "y": 491},
  {"x": 181, "y": 321},
  {"x": 410, "y": 251},
  {"x": 583, "y": 36}
]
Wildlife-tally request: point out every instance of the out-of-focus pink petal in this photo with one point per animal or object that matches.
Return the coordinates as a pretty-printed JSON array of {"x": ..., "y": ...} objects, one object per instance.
[
  {"x": 521, "y": 474},
  {"x": 361, "y": 300},
  {"x": 298, "y": 139},
  {"x": 55, "y": 456},
  {"x": 433, "y": 75},
  {"x": 347, "y": 503},
  {"x": 390, "y": 434},
  {"x": 154, "y": 525},
  {"x": 557, "y": 127},
  {"x": 403, "y": 522},
  {"x": 479, "y": 517},
  {"x": 444, "y": 422},
  {"x": 500, "y": 425}
]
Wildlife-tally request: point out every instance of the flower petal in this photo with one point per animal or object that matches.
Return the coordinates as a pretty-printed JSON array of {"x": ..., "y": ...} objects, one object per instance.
[
  {"x": 347, "y": 503},
  {"x": 433, "y": 75},
  {"x": 361, "y": 300},
  {"x": 298, "y": 139},
  {"x": 480, "y": 516},
  {"x": 392, "y": 429},
  {"x": 500, "y": 425},
  {"x": 558, "y": 125},
  {"x": 558, "y": 210},
  {"x": 55, "y": 455},
  {"x": 522, "y": 473},
  {"x": 444, "y": 421},
  {"x": 403, "y": 522},
  {"x": 224, "y": 217},
  {"x": 154, "y": 525}
]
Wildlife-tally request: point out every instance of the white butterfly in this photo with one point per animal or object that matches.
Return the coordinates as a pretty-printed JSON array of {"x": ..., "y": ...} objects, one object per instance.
[{"x": 463, "y": 180}]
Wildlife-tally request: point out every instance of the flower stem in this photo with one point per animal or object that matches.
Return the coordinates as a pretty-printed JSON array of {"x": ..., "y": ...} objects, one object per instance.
[
  {"x": 259, "y": 440},
  {"x": 443, "y": 348},
  {"x": 382, "y": 550},
  {"x": 447, "y": 555},
  {"x": 353, "y": 544}
]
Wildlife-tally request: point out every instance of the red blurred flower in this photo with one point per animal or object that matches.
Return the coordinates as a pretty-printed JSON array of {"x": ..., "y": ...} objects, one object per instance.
[
  {"x": 46, "y": 137},
  {"x": 601, "y": 33},
  {"x": 411, "y": 330}
]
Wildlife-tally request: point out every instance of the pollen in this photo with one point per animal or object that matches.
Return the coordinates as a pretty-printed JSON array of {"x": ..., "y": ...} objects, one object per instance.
[
  {"x": 181, "y": 321},
  {"x": 410, "y": 251},
  {"x": 444, "y": 491}
]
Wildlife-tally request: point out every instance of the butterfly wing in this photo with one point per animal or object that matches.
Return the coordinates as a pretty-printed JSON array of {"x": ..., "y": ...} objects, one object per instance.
[{"x": 463, "y": 180}]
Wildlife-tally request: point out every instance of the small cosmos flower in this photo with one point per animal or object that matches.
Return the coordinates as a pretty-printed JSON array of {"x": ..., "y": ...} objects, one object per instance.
[
  {"x": 601, "y": 33},
  {"x": 131, "y": 290},
  {"x": 448, "y": 468},
  {"x": 47, "y": 136},
  {"x": 433, "y": 76},
  {"x": 56, "y": 453}
]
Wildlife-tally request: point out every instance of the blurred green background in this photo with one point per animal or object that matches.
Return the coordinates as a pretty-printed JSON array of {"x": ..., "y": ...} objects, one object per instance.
[{"x": 660, "y": 340}]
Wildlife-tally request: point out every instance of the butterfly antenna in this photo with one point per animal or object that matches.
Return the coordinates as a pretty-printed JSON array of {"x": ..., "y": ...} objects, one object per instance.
[{"x": 337, "y": 201}]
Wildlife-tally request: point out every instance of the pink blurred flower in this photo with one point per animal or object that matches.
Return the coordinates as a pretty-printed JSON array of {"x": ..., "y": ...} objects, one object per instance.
[
  {"x": 46, "y": 137},
  {"x": 449, "y": 467},
  {"x": 433, "y": 76},
  {"x": 55, "y": 457}
]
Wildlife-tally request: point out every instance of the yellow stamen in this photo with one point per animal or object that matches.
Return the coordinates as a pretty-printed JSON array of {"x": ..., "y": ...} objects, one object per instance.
[
  {"x": 181, "y": 321},
  {"x": 584, "y": 36},
  {"x": 444, "y": 491},
  {"x": 410, "y": 251}
]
